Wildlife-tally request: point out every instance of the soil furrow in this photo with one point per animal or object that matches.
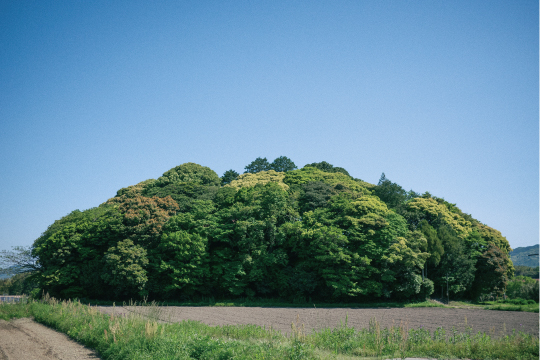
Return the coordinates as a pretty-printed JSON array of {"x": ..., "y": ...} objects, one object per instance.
[{"x": 495, "y": 323}]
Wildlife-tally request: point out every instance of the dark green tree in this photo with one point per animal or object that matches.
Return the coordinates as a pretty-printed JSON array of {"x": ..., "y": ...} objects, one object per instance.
[
  {"x": 327, "y": 167},
  {"x": 125, "y": 272},
  {"x": 282, "y": 164},
  {"x": 391, "y": 193},
  {"x": 457, "y": 267},
  {"x": 228, "y": 176},
  {"x": 491, "y": 273},
  {"x": 189, "y": 172},
  {"x": 184, "y": 255},
  {"x": 245, "y": 242},
  {"x": 258, "y": 165},
  {"x": 184, "y": 193},
  {"x": 434, "y": 244},
  {"x": 313, "y": 232},
  {"x": 315, "y": 195},
  {"x": 20, "y": 284}
]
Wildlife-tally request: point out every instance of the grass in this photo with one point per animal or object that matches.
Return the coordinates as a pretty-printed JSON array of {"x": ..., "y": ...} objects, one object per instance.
[
  {"x": 496, "y": 305},
  {"x": 254, "y": 302},
  {"x": 509, "y": 307},
  {"x": 137, "y": 337},
  {"x": 247, "y": 302}
]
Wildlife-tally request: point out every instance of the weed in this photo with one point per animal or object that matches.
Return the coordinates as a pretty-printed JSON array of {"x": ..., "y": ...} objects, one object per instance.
[{"x": 144, "y": 335}]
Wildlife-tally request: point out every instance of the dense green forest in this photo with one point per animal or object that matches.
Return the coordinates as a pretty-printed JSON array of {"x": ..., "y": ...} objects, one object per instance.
[{"x": 274, "y": 231}]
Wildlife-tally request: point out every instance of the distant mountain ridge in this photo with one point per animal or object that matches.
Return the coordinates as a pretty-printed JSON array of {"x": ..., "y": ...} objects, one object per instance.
[{"x": 520, "y": 256}]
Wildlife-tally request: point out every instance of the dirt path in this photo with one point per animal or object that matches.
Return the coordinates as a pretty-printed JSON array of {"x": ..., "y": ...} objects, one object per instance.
[
  {"x": 25, "y": 339},
  {"x": 489, "y": 321}
]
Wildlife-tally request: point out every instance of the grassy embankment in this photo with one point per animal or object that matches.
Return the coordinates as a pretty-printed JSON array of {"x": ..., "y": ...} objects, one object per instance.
[
  {"x": 254, "y": 302},
  {"x": 135, "y": 337},
  {"x": 246, "y": 302},
  {"x": 496, "y": 305}
]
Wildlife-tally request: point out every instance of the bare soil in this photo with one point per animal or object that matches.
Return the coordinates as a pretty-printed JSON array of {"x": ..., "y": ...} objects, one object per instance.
[
  {"x": 493, "y": 322},
  {"x": 25, "y": 339}
]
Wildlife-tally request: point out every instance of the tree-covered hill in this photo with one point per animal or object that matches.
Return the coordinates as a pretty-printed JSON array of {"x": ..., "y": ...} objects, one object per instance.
[
  {"x": 520, "y": 256},
  {"x": 274, "y": 231}
]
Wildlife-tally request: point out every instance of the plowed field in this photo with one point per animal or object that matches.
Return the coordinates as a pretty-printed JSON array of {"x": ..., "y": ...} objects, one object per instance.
[{"x": 492, "y": 322}]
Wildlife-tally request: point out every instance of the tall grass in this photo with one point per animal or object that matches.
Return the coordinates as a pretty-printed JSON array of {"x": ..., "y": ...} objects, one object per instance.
[
  {"x": 256, "y": 302},
  {"x": 138, "y": 336}
]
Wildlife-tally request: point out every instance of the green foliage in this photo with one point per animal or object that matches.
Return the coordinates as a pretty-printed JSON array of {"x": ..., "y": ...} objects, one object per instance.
[
  {"x": 457, "y": 268},
  {"x": 184, "y": 193},
  {"x": 75, "y": 249},
  {"x": 19, "y": 284},
  {"x": 189, "y": 172},
  {"x": 311, "y": 174},
  {"x": 528, "y": 271},
  {"x": 258, "y": 165},
  {"x": 184, "y": 257},
  {"x": 432, "y": 211},
  {"x": 228, "y": 176},
  {"x": 125, "y": 269},
  {"x": 282, "y": 164},
  {"x": 261, "y": 178},
  {"x": 314, "y": 232},
  {"x": 246, "y": 239},
  {"x": 523, "y": 287},
  {"x": 434, "y": 244},
  {"x": 329, "y": 168},
  {"x": 136, "y": 190},
  {"x": 315, "y": 195},
  {"x": 491, "y": 272},
  {"x": 391, "y": 193}
]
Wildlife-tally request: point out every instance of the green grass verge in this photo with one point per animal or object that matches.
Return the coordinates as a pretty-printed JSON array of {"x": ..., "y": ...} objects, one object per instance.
[
  {"x": 494, "y": 305},
  {"x": 247, "y": 302},
  {"x": 505, "y": 307},
  {"x": 136, "y": 337}
]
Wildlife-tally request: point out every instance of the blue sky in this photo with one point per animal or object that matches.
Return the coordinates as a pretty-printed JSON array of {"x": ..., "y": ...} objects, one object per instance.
[{"x": 441, "y": 96}]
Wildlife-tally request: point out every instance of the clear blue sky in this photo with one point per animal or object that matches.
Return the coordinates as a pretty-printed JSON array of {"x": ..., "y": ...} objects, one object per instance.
[{"x": 442, "y": 96}]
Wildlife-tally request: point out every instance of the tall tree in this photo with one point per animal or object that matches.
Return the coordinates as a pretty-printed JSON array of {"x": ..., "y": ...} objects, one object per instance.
[
  {"x": 258, "y": 165},
  {"x": 315, "y": 195},
  {"x": 189, "y": 172},
  {"x": 282, "y": 164},
  {"x": 457, "y": 268},
  {"x": 434, "y": 244},
  {"x": 491, "y": 274},
  {"x": 228, "y": 176},
  {"x": 391, "y": 193},
  {"x": 327, "y": 167},
  {"x": 125, "y": 271}
]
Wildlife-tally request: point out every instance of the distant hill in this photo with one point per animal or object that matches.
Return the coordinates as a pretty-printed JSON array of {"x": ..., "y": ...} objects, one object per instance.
[{"x": 520, "y": 256}]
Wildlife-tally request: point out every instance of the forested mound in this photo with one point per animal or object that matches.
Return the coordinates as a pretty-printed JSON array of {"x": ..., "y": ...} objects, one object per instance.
[{"x": 275, "y": 231}]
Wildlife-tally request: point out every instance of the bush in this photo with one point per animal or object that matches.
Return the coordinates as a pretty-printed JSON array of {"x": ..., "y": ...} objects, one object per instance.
[
  {"x": 523, "y": 287},
  {"x": 18, "y": 284},
  {"x": 427, "y": 289}
]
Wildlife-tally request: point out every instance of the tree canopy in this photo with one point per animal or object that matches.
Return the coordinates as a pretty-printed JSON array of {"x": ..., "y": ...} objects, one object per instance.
[
  {"x": 274, "y": 231},
  {"x": 280, "y": 164}
]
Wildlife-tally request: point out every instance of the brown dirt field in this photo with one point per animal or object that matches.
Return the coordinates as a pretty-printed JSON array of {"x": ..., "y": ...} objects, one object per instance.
[
  {"x": 24, "y": 339},
  {"x": 492, "y": 322}
]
